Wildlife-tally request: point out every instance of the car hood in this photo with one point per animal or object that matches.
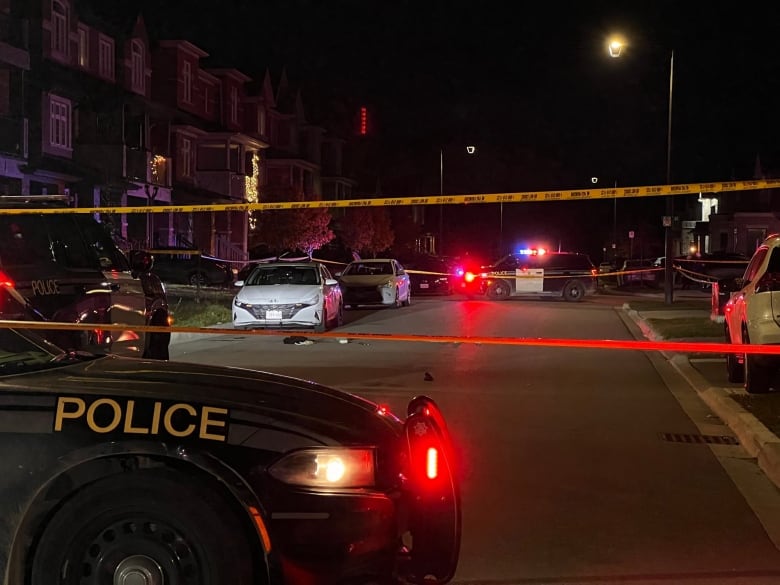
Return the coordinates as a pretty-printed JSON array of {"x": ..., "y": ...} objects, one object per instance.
[
  {"x": 277, "y": 294},
  {"x": 365, "y": 279},
  {"x": 325, "y": 415}
]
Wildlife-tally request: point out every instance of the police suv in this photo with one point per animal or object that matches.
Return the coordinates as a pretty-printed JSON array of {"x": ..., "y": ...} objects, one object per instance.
[
  {"x": 537, "y": 272},
  {"x": 69, "y": 269},
  {"x": 123, "y": 470}
]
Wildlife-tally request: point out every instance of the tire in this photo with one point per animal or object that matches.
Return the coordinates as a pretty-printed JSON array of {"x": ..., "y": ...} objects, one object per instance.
[
  {"x": 397, "y": 301},
  {"x": 151, "y": 521},
  {"x": 734, "y": 369},
  {"x": 322, "y": 326},
  {"x": 408, "y": 301},
  {"x": 574, "y": 291},
  {"x": 499, "y": 290},
  {"x": 198, "y": 279},
  {"x": 757, "y": 376},
  {"x": 339, "y": 319}
]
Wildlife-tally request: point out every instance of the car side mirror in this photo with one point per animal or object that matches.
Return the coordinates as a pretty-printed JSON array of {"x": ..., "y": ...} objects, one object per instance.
[
  {"x": 337, "y": 274},
  {"x": 238, "y": 283},
  {"x": 331, "y": 282},
  {"x": 141, "y": 261}
]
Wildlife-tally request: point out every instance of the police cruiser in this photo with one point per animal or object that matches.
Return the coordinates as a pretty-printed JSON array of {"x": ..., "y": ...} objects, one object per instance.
[
  {"x": 124, "y": 470},
  {"x": 537, "y": 272}
]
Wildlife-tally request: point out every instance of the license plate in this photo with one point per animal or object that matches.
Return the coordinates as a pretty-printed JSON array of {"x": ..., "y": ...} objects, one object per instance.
[
  {"x": 273, "y": 314},
  {"x": 423, "y": 285}
]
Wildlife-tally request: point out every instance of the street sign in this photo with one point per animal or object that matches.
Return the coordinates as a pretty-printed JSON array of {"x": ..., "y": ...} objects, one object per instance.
[
  {"x": 667, "y": 221},
  {"x": 631, "y": 234}
]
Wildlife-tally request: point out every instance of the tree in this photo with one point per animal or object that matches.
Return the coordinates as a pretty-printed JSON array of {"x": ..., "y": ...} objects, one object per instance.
[
  {"x": 294, "y": 229},
  {"x": 366, "y": 230}
]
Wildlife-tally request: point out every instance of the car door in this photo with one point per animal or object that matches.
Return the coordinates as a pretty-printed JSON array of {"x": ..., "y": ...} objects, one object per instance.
[
  {"x": 331, "y": 292},
  {"x": 738, "y": 312},
  {"x": 402, "y": 278}
]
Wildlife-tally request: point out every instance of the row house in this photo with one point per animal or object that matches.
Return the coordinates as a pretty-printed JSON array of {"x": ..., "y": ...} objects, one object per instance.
[{"x": 104, "y": 113}]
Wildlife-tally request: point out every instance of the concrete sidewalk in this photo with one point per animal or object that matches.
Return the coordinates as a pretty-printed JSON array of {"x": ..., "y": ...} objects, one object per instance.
[{"x": 711, "y": 384}]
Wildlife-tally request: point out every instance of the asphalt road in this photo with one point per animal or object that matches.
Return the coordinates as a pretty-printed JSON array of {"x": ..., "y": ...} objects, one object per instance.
[{"x": 567, "y": 476}]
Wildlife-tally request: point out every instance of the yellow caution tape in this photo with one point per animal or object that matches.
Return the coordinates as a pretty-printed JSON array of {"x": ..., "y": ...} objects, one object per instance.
[{"x": 520, "y": 197}]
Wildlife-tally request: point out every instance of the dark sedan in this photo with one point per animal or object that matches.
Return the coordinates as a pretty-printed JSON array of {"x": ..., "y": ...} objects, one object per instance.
[
  {"x": 183, "y": 266},
  {"x": 120, "y": 470},
  {"x": 431, "y": 275}
]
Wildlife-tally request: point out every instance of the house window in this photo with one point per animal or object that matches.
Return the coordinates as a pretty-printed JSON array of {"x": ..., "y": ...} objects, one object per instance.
[
  {"x": 187, "y": 74},
  {"x": 234, "y": 105},
  {"x": 186, "y": 157},
  {"x": 59, "y": 122},
  {"x": 59, "y": 28},
  {"x": 137, "y": 66},
  {"x": 106, "y": 57},
  {"x": 261, "y": 121},
  {"x": 83, "y": 47}
]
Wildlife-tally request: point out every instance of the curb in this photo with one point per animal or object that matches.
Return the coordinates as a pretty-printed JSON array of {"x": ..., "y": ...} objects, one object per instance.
[{"x": 755, "y": 438}]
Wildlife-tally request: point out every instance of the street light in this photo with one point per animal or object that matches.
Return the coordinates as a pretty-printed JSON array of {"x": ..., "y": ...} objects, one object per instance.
[
  {"x": 615, "y": 48},
  {"x": 469, "y": 150}
]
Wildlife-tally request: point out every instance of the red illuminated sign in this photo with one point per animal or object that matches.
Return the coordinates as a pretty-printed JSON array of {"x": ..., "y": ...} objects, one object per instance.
[{"x": 363, "y": 121}]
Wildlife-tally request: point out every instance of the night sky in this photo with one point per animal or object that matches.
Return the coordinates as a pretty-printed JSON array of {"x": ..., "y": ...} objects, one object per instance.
[{"x": 530, "y": 84}]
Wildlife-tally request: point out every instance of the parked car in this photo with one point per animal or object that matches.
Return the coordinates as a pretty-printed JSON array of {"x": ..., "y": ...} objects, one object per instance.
[
  {"x": 431, "y": 275},
  {"x": 186, "y": 266},
  {"x": 375, "y": 282},
  {"x": 642, "y": 272},
  {"x": 751, "y": 317},
  {"x": 288, "y": 294}
]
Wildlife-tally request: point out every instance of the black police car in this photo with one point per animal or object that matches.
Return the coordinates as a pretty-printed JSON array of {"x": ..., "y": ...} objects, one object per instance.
[
  {"x": 123, "y": 470},
  {"x": 70, "y": 270},
  {"x": 537, "y": 272}
]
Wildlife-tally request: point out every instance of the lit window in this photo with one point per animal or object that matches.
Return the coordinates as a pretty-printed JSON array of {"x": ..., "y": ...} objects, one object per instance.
[
  {"x": 137, "y": 66},
  {"x": 83, "y": 47},
  {"x": 106, "y": 57},
  {"x": 187, "y": 75},
  {"x": 59, "y": 122},
  {"x": 234, "y": 105},
  {"x": 186, "y": 157},
  {"x": 59, "y": 28}
]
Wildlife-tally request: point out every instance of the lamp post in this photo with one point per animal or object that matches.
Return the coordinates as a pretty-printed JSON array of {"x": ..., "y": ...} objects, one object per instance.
[
  {"x": 615, "y": 48},
  {"x": 469, "y": 150}
]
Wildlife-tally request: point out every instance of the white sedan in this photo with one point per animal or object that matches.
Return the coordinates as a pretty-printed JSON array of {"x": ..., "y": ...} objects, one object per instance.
[
  {"x": 375, "y": 282},
  {"x": 288, "y": 294}
]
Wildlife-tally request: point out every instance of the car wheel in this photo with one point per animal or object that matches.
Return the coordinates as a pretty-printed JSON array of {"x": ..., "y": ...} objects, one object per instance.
[
  {"x": 198, "y": 279},
  {"x": 322, "y": 326},
  {"x": 735, "y": 368},
  {"x": 397, "y": 301},
  {"x": 152, "y": 524},
  {"x": 574, "y": 291},
  {"x": 499, "y": 290},
  {"x": 757, "y": 376},
  {"x": 339, "y": 316},
  {"x": 408, "y": 300}
]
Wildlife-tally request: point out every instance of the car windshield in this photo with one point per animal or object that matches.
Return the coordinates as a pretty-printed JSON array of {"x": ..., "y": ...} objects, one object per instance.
[
  {"x": 23, "y": 352},
  {"x": 368, "y": 268},
  {"x": 274, "y": 275}
]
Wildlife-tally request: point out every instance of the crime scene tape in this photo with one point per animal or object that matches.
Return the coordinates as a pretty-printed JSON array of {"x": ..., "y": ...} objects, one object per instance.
[
  {"x": 518, "y": 197},
  {"x": 673, "y": 346}
]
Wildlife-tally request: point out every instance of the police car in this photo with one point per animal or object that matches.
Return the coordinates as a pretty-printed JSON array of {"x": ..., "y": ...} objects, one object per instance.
[
  {"x": 70, "y": 270},
  {"x": 130, "y": 471},
  {"x": 537, "y": 272}
]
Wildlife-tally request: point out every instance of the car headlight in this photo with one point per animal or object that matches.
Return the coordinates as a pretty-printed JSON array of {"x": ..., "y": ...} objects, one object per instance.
[
  {"x": 389, "y": 284},
  {"x": 322, "y": 467},
  {"x": 310, "y": 301},
  {"x": 238, "y": 303}
]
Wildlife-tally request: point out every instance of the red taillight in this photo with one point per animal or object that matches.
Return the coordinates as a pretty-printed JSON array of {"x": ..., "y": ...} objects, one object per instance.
[
  {"x": 469, "y": 277},
  {"x": 5, "y": 280},
  {"x": 432, "y": 463}
]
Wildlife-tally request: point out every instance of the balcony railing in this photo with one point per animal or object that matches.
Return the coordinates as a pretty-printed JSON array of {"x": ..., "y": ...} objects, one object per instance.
[{"x": 13, "y": 136}]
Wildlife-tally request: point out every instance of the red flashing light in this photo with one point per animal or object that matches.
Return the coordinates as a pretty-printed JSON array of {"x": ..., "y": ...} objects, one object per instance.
[
  {"x": 541, "y": 252},
  {"x": 363, "y": 121},
  {"x": 432, "y": 463},
  {"x": 5, "y": 280},
  {"x": 469, "y": 277}
]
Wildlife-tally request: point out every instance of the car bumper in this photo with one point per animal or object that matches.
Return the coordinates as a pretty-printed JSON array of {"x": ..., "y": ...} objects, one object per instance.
[
  {"x": 243, "y": 318},
  {"x": 368, "y": 295}
]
